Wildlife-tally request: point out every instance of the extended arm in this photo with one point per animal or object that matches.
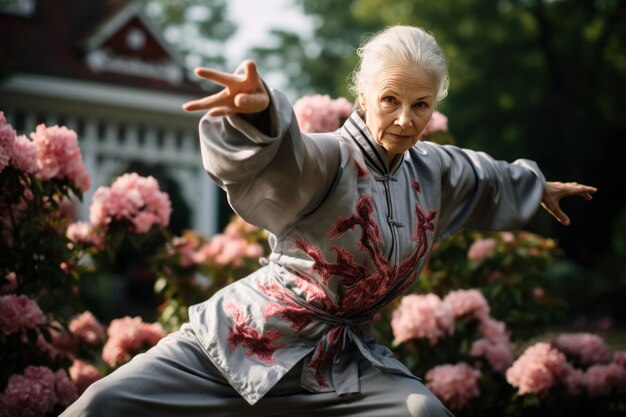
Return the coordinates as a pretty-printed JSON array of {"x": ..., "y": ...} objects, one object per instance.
[{"x": 252, "y": 147}]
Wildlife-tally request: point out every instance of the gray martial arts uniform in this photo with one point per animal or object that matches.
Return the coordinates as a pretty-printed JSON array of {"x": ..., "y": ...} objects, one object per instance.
[{"x": 349, "y": 233}]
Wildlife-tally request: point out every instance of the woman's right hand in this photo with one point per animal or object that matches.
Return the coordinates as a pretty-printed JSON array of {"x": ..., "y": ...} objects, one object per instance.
[{"x": 243, "y": 94}]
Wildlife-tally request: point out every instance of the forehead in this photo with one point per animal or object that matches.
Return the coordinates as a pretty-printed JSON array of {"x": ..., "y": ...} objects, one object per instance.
[{"x": 411, "y": 80}]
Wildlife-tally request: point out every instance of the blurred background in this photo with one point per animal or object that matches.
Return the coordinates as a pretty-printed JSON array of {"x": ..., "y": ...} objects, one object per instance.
[{"x": 539, "y": 79}]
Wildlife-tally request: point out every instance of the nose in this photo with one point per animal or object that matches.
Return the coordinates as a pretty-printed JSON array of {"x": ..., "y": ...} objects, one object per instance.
[{"x": 404, "y": 118}]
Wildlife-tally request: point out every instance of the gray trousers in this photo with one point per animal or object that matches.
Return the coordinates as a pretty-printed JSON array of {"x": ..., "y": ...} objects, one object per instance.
[{"x": 176, "y": 378}]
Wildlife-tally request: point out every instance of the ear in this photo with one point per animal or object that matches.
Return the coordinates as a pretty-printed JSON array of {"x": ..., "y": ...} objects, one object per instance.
[{"x": 362, "y": 101}]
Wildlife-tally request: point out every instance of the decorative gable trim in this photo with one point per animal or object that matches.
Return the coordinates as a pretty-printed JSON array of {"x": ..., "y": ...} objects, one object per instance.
[{"x": 100, "y": 58}]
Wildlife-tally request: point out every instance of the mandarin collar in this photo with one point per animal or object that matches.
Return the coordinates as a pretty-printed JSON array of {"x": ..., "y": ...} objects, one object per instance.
[{"x": 356, "y": 130}]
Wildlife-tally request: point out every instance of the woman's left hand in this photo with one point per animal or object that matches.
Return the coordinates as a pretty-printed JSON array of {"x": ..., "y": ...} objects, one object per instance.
[{"x": 554, "y": 191}]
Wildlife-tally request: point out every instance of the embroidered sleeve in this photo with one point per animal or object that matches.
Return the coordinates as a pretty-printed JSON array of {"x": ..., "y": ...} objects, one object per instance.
[
  {"x": 479, "y": 192},
  {"x": 272, "y": 178}
]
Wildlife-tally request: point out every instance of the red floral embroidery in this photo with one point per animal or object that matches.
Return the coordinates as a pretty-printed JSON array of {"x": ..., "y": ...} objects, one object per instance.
[
  {"x": 298, "y": 317},
  {"x": 263, "y": 346},
  {"x": 416, "y": 186},
  {"x": 361, "y": 172}
]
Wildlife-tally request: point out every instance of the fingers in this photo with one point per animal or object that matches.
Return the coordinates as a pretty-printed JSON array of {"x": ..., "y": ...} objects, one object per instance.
[
  {"x": 251, "y": 103},
  {"x": 206, "y": 103},
  {"x": 219, "y": 77}
]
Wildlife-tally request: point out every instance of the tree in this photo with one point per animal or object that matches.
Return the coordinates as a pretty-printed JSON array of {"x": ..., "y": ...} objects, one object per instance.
[{"x": 198, "y": 28}]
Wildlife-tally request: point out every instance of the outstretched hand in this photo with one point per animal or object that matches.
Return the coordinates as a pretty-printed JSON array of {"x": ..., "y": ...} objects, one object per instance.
[
  {"x": 243, "y": 93},
  {"x": 554, "y": 191}
]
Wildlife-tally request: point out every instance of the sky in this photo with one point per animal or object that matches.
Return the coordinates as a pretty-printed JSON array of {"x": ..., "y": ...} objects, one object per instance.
[{"x": 255, "y": 19}]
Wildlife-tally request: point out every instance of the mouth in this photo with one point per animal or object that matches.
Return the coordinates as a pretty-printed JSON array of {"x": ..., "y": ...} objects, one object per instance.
[{"x": 400, "y": 137}]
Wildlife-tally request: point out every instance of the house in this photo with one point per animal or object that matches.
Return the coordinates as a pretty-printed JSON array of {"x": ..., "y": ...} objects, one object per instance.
[{"x": 104, "y": 70}]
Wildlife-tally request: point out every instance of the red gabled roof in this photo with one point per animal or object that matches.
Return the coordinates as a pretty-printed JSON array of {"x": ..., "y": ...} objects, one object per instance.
[{"x": 55, "y": 41}]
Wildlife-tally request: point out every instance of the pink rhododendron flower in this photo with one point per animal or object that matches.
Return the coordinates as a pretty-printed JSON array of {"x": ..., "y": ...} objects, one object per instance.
[
  {"x": 467, "y": 302},
  {"x": 620, "y": 358},
  {"x": 134, "y": 199},
  {"x": 87, "y": 329},
  {"x": 538, "y": 293},
  {"x": 59, "y": 156},
  {"x": 24, "y": 155},
  {"x": 320, "y": 113},
  {"x": 498, "y": 354},
  {"x": 602, "y": 379},
  {"x": 128, "y": 336},
  {"x": 84, "y": 233},
  {"x": 538, "y": 369},
  {"x": 422, "y": 316},
  {"x": 30, "y": 394},
  {"x": 186, "y": 249},
  {"x": 11, "y": 285},
  {"x": 238, "y": 227},
  {"x": 16, "y": 151},
  {"x": 454, "y": 385},
  {"x": 228, "y": 250},
  {"x": 588, "y": 348},
  {"x": 507, "y": 237},
  {"x": 65, "y": 388},
  {"x": 83, "y": 375},
  {"x": 19, "y": 312},
  {"x": 575, "y": 381},
  {"x": 493, "y": 330},
  {"x": 438, "y": 123},
  {"x": 481, "y": 249},
  {"x": 7, "y": 138}
]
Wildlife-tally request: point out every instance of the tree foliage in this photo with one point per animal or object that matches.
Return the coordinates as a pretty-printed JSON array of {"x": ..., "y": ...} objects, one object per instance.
[{"x": 196, "y": 27}]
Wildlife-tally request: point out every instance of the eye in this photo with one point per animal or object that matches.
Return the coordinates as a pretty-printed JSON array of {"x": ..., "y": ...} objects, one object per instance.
[
  {"x": 388, "y": 101},
  {"x": 421, "y": 105}
]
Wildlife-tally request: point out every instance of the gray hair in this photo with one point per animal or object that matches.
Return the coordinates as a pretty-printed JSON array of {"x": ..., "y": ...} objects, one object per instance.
[{"x": 400, "y": 45}]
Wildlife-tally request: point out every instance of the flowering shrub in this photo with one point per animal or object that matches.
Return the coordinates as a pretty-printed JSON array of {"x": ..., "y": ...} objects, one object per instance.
[
  {"x": 320, "y": 113},
  {"x": 191, "y": 268},
  {"x": 41, "y": 263},
  {"x": 37, "y": 392},
  {"x": 510, "y": 269}
]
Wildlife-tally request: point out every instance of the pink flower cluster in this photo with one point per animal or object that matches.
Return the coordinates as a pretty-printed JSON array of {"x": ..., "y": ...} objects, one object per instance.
[
  {"x": 481, "y": 249},
  {"x": 438, "y": 123},
  {"x": 16, "y": 151},
  {"x": 427, "y": 316},
  {"x": 10, "y": 286},
  {"x": 36, "y": 392},
  {"x": 84, "y": 234},
  {"x": 586, "y": 347},
  {"x": 494, "y": 345},
  {"x": 87, "y": 329},
  {"x": 18, "y": 312},
  {"x": 543, "y": 366},
  {"x": 231, "y": 247},
  {"x": 58, "y": 155},
  {"x": 422, "y": 316},
  {"x": 128, "y": 336},
  {"x": 320, "y": 113},
  {"x": 538, "y": 369},
  {"x": 134, "y": 199},
  {"x": 83, "y": 375},
  {"x": 468, "y": 303},
  {"x": 454, "y": 385}
]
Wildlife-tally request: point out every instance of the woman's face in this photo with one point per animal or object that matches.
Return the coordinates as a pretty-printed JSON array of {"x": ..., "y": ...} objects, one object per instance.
[{"x": 398, "y": 105}]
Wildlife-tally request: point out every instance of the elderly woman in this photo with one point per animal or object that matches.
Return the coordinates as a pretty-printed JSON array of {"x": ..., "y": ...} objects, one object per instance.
[{"x": 353, "y": 216}]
